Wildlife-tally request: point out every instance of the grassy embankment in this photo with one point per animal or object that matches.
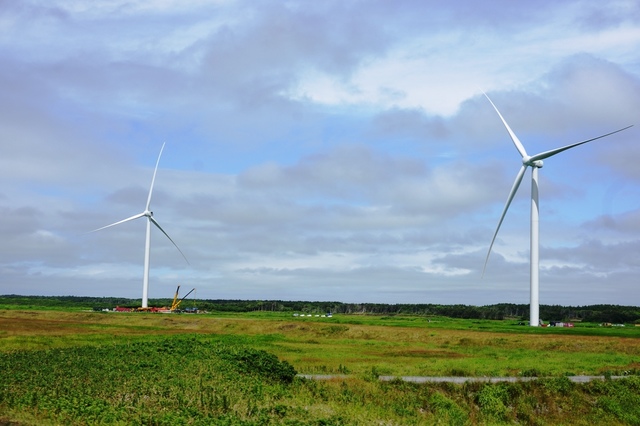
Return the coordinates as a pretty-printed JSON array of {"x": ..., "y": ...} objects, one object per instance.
[{"x": 83, "y": 367}]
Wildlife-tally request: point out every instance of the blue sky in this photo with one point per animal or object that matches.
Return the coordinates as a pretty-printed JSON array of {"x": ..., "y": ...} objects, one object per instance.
[{"x": 335, "y": 150}]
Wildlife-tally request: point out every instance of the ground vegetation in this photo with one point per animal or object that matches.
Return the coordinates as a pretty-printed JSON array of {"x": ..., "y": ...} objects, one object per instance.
[{"x": 78, "y": 367}]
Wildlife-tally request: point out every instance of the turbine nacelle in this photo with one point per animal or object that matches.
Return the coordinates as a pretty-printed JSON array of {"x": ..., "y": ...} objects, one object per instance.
[{"x": 531, "y": 162}]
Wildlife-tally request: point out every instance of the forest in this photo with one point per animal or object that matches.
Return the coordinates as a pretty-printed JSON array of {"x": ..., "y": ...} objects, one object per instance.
[{"x": 593, "y": 313}]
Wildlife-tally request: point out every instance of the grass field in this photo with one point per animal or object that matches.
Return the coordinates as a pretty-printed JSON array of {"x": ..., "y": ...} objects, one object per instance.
[{"x": 133, "y": 368}]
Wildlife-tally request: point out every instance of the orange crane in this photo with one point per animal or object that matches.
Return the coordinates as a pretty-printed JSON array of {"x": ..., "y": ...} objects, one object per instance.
[{"x": 176, "y": 302}]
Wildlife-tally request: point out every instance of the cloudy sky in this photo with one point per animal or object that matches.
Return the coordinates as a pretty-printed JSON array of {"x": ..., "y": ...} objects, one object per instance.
[{"x": 332, "y": 150}]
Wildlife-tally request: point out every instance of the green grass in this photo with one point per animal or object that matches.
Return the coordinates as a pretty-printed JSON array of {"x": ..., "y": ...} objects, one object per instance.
[
  {"x": 107, "y": 368},
  {"x": 393, "y": 345},
  {"x": 202, "y": 380}
]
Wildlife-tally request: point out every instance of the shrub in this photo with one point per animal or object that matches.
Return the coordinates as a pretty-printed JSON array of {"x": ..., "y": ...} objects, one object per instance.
[
  {"x": 621, "y": 399},
  {"x": 530, "y": 372},
  {"x": 446, "y": 410},
  {"x": 560, "y": 385},
  {"x": 259, "y": 362},
  {"x": 493, "y": 400}
]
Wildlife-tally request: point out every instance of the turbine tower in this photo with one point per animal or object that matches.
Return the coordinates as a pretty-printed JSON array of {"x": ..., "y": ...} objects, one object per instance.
[
  {"x": 535, "y": 162},
  {"x": 147, "y": 246}
]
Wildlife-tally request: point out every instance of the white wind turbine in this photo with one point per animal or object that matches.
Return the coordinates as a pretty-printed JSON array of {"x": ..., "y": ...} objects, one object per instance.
[
  {"x": 535, "y": 162},
  {"x": 150, "y": 219}
]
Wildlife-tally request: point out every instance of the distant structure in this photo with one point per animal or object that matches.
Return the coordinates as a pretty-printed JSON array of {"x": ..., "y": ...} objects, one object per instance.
[
  {"x": 150, "y": 219},
  {"x": 535, "y": 162}
]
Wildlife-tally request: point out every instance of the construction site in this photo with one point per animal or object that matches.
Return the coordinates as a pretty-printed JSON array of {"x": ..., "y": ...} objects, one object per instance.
[{"x": 173, "y": 309}]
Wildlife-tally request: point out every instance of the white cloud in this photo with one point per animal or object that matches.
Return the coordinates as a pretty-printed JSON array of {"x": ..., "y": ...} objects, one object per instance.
[{"x": 334, "y": 150}]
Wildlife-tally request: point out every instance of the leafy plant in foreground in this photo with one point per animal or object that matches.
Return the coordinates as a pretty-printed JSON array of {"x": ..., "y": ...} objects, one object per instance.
[{"x": 168, "y": 381}]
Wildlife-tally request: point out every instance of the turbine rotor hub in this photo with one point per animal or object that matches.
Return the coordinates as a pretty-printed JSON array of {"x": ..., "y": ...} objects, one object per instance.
[{"x": 528, "y": 162}]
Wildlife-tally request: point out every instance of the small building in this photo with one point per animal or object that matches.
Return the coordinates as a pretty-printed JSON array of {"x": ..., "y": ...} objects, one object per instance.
[{"x": 560, "y": 324}]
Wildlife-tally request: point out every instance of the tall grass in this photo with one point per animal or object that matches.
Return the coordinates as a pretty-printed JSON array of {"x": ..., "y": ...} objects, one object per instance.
[
  {"x": 200, "y": 380},
  {"x": 93, "y": 368},
  {"x": 319, "y": 346}
]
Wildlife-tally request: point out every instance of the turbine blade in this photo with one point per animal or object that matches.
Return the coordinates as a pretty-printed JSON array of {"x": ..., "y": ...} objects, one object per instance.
[
  {"x": 514, "y": 138},
  {"x": 514, "y": 189},
  {"x": 155, "y": 222},
  {"x": 118, "y": 223},
  {"x": 553, "y": 152},
  {"x": 154, "y": 178}
]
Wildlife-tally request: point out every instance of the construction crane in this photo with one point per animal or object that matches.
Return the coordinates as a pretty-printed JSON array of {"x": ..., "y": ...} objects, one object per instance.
[{"x": 176, "y": 302}]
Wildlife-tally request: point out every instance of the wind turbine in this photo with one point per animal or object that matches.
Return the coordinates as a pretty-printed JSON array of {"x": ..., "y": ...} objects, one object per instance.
[
  {"x": 147, "y": 246},
  {"x": 535, "y": 162}
]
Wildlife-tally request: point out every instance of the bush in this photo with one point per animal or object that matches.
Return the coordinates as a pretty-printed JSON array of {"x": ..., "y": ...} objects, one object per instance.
[
  {"x": 493, "y": 400},
  {"x": 558, "y": 385},
  {"x": 178, "y": 380},
  {"x": 259, "y": 362},
  {"x": 446, "y": 410},
  {"x": 620, "y": 398}
]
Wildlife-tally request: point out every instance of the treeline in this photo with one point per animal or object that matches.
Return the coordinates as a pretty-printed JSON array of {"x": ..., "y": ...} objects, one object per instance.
[{"x": 592, "y": 313}]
